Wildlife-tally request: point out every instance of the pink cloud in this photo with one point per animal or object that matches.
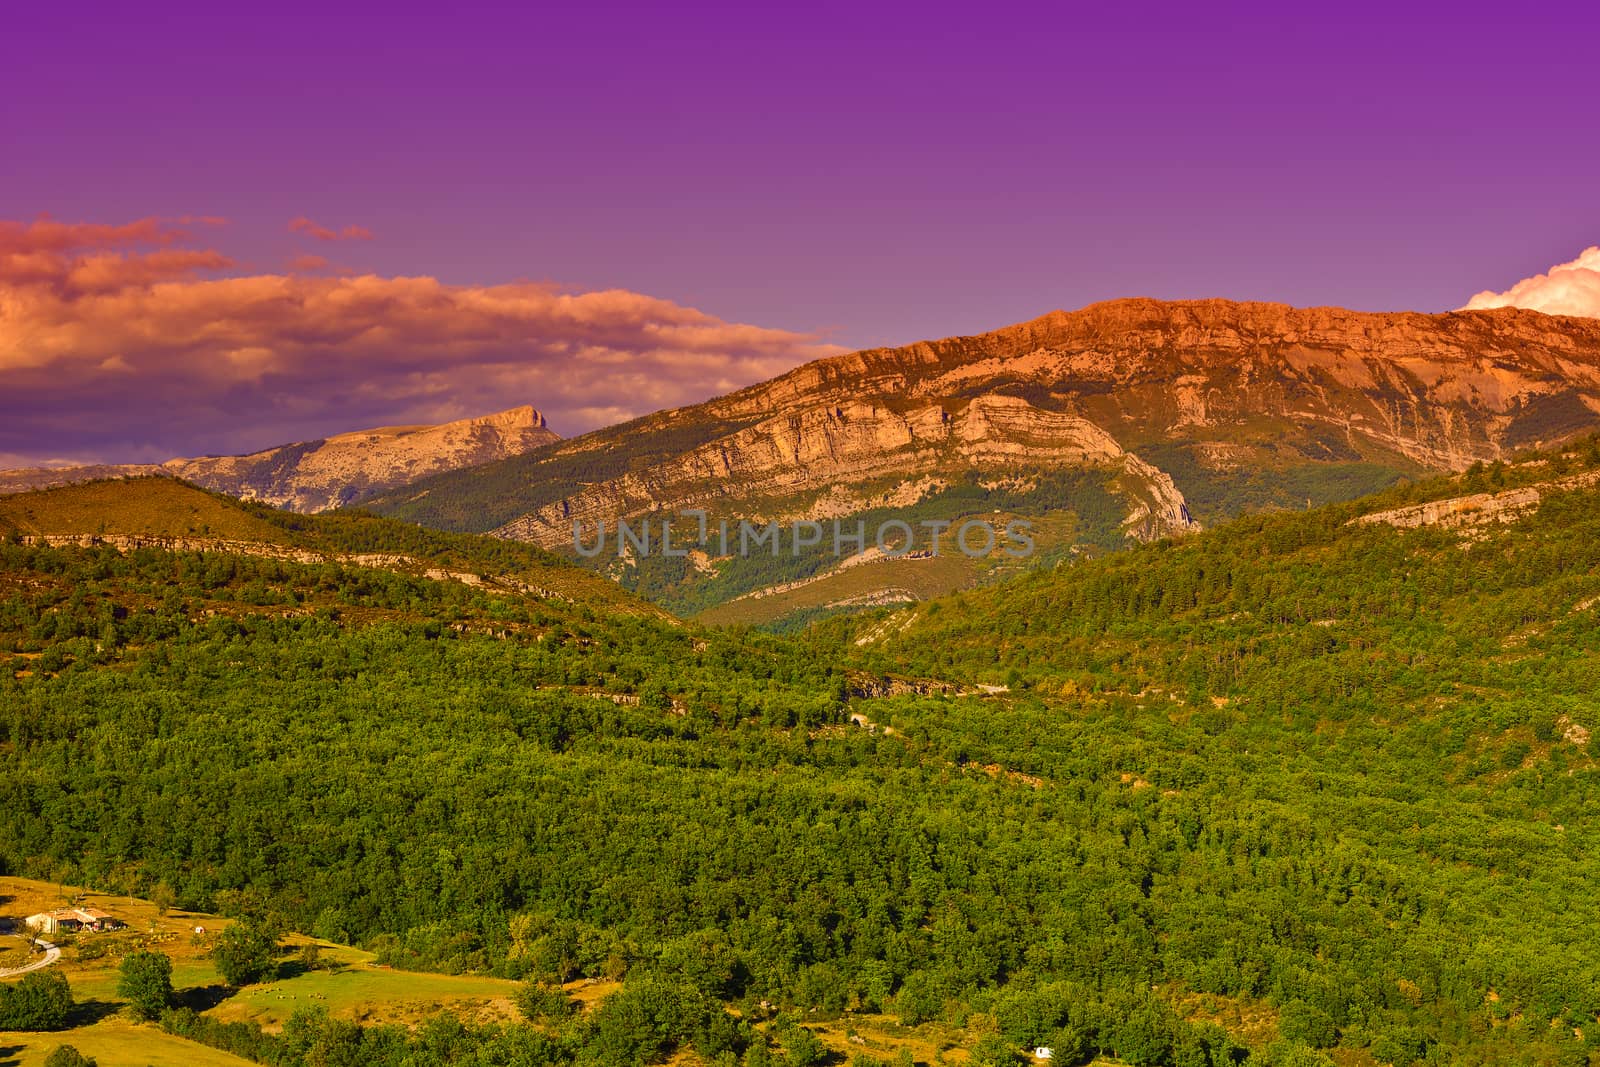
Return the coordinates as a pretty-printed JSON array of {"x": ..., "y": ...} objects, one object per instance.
[
  {"x": 139, "y": 349},
  {"x": 46, "y": 235},
  {"x": 83, "y": 257},
  {"x": 323, "y": 233},
  {"x": 1566, "y": 289}
]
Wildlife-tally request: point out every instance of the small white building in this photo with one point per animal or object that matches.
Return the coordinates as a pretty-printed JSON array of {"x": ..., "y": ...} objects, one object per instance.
[
  {"x": 1043, "y": 1053},
  {"x": 72, "y": 920}
]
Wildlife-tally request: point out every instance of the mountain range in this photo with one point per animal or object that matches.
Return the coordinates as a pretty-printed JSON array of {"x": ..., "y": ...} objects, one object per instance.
[
  {"x": 1124, "y": 421},
  {"x": 312, "y": 476},
  {"x": 1307, "y": 788},
  {"x": 1136, "y": 418}
]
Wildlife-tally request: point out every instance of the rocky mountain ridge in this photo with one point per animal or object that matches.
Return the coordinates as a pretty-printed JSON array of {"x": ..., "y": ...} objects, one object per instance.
[
  {"x": 1146, "y": 369},
  {"x": 818, "y": 451},
  {"x": 1180, "y": 411},
  {"x": 313, "y": 476},
  {"x": 1230, "y": 381}
]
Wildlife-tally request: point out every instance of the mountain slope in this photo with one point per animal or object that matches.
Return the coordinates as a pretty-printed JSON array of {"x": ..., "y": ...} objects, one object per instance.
[
  {"x": 167, "y": 515},
  {"x": 1177, "y": 410},
  {"x": 1325, "y": 782},
  {"x": 1413, "y": 677},
  {"x": 312, "y": 476}
]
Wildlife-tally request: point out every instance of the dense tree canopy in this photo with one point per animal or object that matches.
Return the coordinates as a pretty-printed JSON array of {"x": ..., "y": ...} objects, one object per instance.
[{"x": 1342, "y": 771}]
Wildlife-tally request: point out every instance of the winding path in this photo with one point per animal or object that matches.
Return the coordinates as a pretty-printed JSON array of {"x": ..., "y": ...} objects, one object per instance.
[{"x": 51, "y": 954}]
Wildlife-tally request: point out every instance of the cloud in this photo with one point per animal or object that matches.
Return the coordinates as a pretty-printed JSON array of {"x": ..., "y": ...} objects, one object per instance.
[
  {"x": 122, "y": 344},
  {"x": 1566, "y": 289},
  {"x": 323, "y": 233},
  {"x": 83, "y": 257}
]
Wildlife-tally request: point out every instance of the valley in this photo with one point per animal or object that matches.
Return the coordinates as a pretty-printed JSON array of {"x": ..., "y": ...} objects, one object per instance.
[
  {"x": 705, "y": 535},
  {"x": 1061, "y": 809}
]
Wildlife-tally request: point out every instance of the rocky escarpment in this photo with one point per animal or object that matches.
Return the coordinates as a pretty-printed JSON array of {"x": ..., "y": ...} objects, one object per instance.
[
  {"x": 316, "y": 476},
  {"x": 1124, "y": 418},
  {"x": 1441, "y": 390},
  {"x": 1477, "y": 509},
  {"x": 790, "y": 456},
  {"x": 1240, "y": 385}
]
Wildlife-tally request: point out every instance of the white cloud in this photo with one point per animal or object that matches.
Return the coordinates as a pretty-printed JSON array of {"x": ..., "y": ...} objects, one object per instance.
[{"x": 1566, "y": 289}]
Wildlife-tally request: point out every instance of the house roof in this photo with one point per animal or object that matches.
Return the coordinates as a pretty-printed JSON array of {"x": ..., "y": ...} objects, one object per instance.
[{"x": 82, "y": 915}]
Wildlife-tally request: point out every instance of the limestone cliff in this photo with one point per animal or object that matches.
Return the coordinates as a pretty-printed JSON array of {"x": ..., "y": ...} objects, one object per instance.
[
  {"x": 319, "y": 475},
  {"x": 1240, "y": 388},
  {"x": 821, "y": 448}
]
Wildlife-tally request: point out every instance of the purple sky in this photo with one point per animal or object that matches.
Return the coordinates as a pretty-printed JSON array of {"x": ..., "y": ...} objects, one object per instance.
[{"x": 871, "y": 175}]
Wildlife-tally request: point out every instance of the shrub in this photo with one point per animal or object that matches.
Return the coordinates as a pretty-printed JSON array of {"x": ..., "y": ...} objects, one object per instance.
[
  {"x": 544, "y": 1002},
  {"x": 1514, "y": 753}
]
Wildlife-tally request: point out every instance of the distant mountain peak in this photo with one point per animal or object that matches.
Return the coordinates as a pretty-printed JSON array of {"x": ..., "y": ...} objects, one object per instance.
[{"x": 313, "y": 476}]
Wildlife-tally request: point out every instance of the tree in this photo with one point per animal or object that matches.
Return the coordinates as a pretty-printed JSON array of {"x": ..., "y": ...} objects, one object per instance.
[
  {"x": 164, "y": 897},
  {"x": 246, "y": 952},
  {"x": 311, "y": 957},
  {"x": 67, "y": 1056},
  {"x": 146, "y": 982},
  {"x": 707, "y": 960},
  {"x": 1307, "y": 1024},
  {"x": 992, "y": 1050},
  {"x": 918, "y": 1000},
  {"x": 1283, "y": 1053},
  {"x": 803, "y": 1048},
  {"x": 41, "y": 1001},
  {"x": 645, "y": 1021}
]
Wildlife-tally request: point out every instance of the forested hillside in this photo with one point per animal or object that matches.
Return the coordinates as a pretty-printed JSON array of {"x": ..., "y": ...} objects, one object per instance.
[
  {"x": 1375, "y": 743},
  {"x": 1330, "y": 777},
  {"x": 164, "y": 513}
]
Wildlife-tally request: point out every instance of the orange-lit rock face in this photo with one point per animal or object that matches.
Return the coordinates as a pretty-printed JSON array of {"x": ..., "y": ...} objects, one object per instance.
[{"x": 1092, "y": 387}]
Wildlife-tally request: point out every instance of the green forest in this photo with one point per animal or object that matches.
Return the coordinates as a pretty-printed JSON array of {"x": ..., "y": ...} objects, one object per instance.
[{"x": 1342, "y": 772}]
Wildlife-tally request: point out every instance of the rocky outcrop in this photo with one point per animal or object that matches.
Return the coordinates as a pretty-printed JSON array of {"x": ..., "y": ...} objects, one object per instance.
[
  {"x": 320, "y": 475},
  {"x": 388, "y": 561},
  {"x": 1158, "y": 508},
  {"x": 1476, "y": 509},
  {"x": 818, "y": 448},
  {"x": 1443, "y": 389}
]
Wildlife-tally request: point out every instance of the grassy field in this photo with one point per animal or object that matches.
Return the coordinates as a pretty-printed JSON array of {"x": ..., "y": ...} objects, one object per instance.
[
  {"x": 115, "y": 1042},
  {"x": 346, "y": 982},
  {"x": 349, "y": 985},
  {"x": 90, "y": 960}
]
